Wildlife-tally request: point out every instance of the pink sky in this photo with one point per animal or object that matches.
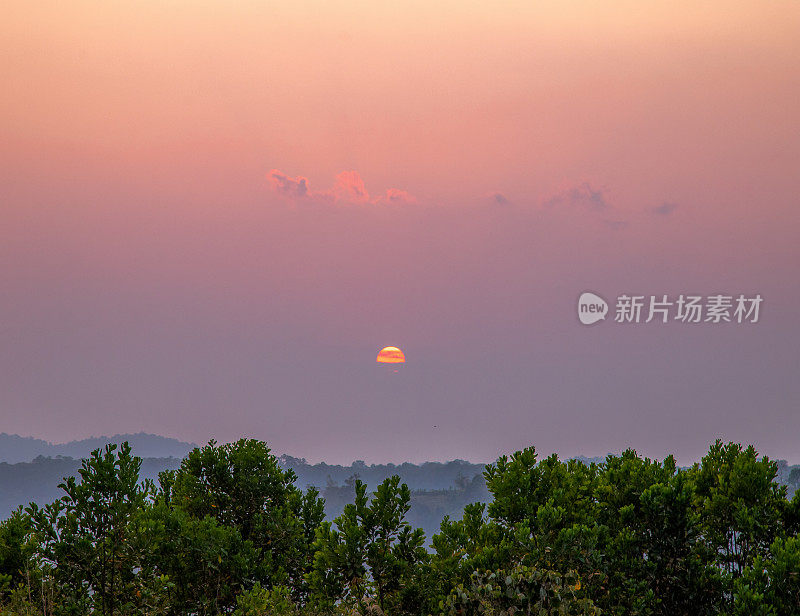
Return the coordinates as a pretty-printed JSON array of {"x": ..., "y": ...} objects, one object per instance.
[{"x": 226, "y": 209}]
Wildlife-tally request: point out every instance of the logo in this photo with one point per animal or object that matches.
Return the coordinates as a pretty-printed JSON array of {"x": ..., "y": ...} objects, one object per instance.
[
  {"x": 591, "y": 308},
  {"x": 714, "y": 309}
]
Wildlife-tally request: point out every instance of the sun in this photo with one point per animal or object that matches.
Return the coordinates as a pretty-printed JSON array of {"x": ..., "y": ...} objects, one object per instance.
[{"x": 391, "y": 355}]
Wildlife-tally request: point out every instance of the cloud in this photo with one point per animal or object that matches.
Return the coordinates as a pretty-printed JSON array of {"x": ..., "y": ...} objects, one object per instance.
[
  {"x": 616, "y": 225},
  {"x": 500, "y": 199},
  {"x": 348, "y": 188},
  {"x": 294, "y": 188},
  {"x": 400, "y": 197},
  {"x": 583, "y": 195},
  {"x": 665, "y": 209}
]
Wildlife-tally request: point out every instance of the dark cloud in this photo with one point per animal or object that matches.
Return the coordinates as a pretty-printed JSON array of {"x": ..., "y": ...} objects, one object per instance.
[
  {"x": 348, "y": 188},
  {"x": 397, "y": 196},
  {"x": 665, "y": 209},
  {"x": 583, "y": 195},
  {"x": 500, "y": 199},
  {"x": 293, "y": 188}
]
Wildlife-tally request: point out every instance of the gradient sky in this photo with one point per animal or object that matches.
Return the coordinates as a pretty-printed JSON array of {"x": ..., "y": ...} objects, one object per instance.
[{"x": 215, "y": 214}]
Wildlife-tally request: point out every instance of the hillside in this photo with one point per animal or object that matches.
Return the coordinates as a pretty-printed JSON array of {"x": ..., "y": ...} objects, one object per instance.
[{"x": 15, "y": 448}]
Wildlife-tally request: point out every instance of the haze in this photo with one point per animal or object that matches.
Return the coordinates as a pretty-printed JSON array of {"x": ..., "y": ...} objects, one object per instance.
[{"x": 214, "y": 215}]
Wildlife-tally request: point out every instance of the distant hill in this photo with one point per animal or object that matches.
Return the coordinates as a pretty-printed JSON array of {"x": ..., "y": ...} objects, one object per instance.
[
  {"x": 37, "y": 481},
  {"x": 31, "y": 469},
  {"x": 14, "y": 448},
  {"x": 425, "y": 476}
]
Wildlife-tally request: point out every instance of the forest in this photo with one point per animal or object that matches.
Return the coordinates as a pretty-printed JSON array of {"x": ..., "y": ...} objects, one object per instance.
[{"x": 229, "y": 531}]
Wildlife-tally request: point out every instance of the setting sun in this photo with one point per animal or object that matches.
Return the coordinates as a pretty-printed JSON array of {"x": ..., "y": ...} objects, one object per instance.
[{"x": 391, "y": 355}]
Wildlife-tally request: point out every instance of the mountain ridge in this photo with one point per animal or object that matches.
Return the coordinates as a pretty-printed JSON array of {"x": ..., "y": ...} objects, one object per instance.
[{"x": 15, "y": 448}]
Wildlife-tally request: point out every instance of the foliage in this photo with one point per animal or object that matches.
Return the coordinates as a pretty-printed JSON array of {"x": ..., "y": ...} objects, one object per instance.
[
  {"x": 521, "y": 590},
  {"x": 229, "y": 532},
  {"x": 242, "y": 486},
  {"x": 16, "y": 550},
  {"x": 771, "y": 584},
  {"x": 202, "y": 563},
  {"x": 372, "y": 548},
  {"x": 259, "y": 601},
  {"x": 84, "y": 536}
]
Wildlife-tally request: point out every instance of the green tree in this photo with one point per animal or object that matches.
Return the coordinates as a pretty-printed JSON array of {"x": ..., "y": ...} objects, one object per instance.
[
  {"x": 742, "y": 509},
  {"x": 520, "y": 590},
  {"x": 770, "y": 586},
  {"x": 241, "y": 485},
  {"x": 85, "y": 535},
  {"x": 548, "y": 516},
  {"x": 189, "y": 565},
  {"x": 16, "y": 551},
  {"x": 627, "y": 527},
  {"x": 626, "y": 494},
  {"x": 462, "y": 547},
  {"x": 677, "y": 566},
  {"x": 372, "y": 552},
  {"x": 262, "y": 602}
]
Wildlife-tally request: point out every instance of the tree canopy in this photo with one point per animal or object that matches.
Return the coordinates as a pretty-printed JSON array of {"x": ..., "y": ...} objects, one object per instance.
[{"x": 229, "y": 532}]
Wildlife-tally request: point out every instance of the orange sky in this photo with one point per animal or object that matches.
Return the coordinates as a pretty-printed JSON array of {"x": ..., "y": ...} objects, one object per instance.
[
  {"x": 342, "y": 175},
  {"x": 450, "y": 100}
]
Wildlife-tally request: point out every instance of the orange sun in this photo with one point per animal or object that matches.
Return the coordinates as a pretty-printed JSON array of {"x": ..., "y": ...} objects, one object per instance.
[{"x": 391, "y": 355}]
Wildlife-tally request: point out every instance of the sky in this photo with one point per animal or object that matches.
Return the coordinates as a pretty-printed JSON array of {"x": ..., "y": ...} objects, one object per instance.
[{"x": 215, "y": 214}]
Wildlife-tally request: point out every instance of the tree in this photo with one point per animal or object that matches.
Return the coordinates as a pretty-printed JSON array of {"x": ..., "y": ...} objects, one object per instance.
[
  {"x": 548, "y": 515},
  {"x": 626, "y": 493},
  {"x": 771, "y": 585},
  {"x": 189, "y": 565},
  {"x": 16, "y": 550},
  {"x": 85, "y": 535},
  {"x": 677, "y": 566},
  {"x": 241, "y": 485},
  {"x": 521, "y": 590},
  {"x": 371, "y": 550},
  {"x": 627, "y": 528},
  {"x": 464, "y": 546},
  {"x": 741, "y": 506}
]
